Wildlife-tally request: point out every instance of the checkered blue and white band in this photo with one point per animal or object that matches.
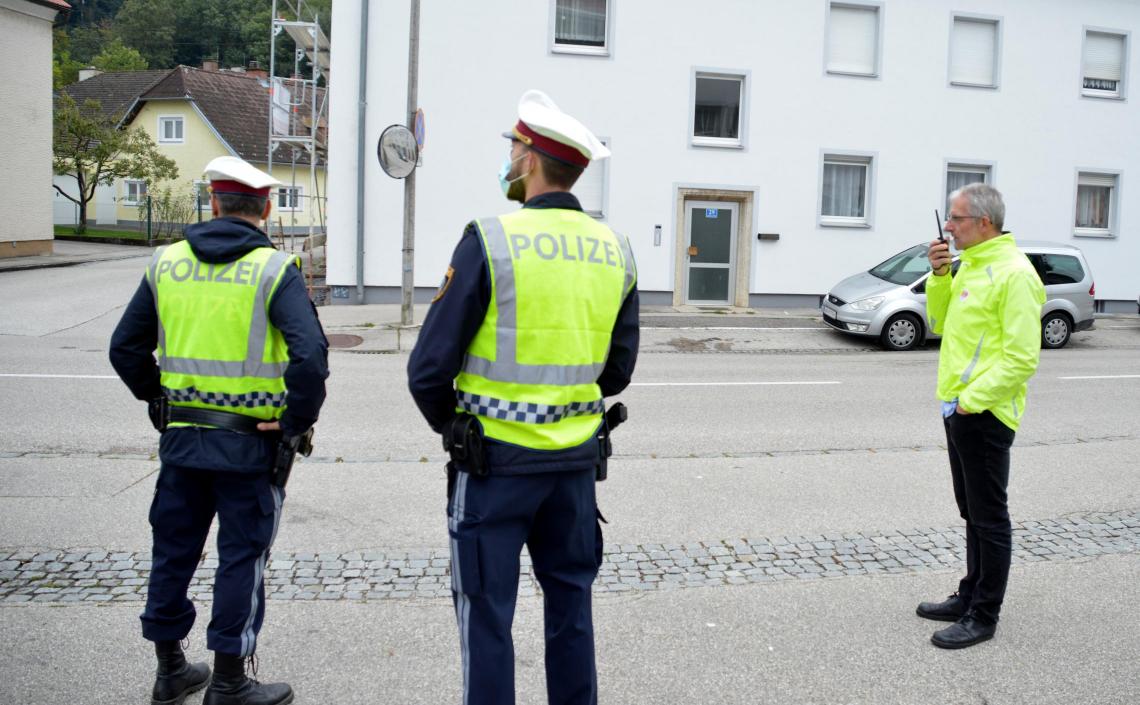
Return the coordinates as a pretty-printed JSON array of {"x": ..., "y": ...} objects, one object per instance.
[
  {"x": 252, "y": 400},
  {"x": 525, "y": 412}
]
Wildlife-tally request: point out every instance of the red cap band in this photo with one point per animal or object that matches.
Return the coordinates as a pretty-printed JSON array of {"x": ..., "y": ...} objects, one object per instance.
[
  {"x": 228, "y": 186},
  {"x": 550, "y": 147}
]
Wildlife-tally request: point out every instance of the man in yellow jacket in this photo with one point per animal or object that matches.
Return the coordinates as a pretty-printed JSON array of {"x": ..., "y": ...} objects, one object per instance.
[{"x": 989, "y": 316}]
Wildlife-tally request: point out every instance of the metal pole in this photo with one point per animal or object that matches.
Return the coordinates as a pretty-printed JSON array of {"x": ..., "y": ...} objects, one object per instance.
[
  {"x": 272, "y": 86},
  {"x": 407, "y": 285},
  {"x": 362, "y": 98}
]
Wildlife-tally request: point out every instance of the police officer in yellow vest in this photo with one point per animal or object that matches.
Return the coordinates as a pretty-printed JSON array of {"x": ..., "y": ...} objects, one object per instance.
[
  {"x": 535, "y": 322},
  {"x": 242, "y": 363}
]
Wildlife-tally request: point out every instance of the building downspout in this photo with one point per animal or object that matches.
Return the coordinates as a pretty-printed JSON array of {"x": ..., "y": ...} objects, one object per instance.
[{"x": 361, "y": 155}]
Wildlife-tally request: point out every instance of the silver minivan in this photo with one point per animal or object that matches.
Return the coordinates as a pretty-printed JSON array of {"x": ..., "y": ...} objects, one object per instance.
[{"x": 888, "y": 301}]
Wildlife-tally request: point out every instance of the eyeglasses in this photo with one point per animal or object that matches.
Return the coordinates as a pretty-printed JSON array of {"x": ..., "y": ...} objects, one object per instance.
[{"x": 960, "y": 218}]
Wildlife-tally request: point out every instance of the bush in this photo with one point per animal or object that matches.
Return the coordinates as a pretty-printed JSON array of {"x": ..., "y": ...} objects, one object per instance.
[{"x": 171, "y": 211}]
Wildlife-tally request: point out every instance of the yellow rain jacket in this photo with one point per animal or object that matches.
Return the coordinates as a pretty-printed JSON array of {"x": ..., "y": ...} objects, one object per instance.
[{"x": 989, "y": 317}]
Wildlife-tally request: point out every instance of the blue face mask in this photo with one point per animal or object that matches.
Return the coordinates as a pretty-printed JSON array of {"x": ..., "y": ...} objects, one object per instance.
[{"x": 504, "y": 170}]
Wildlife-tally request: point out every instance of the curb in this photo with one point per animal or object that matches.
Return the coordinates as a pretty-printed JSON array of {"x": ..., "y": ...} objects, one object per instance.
[{"x": 118, "y": 240}]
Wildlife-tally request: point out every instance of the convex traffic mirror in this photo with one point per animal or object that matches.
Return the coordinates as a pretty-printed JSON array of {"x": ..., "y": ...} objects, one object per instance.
[{"x": 397, "y": 151}]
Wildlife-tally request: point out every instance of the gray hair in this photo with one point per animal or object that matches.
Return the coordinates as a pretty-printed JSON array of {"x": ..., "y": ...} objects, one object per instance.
[{"x": 984, "y": 200}]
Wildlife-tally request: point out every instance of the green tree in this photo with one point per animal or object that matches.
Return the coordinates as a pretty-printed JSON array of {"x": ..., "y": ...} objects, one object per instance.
[
  {"x": 118, "y": 57},
  {"x": 88, "y": 146},
  {"x": 88, "y": 41},
  {"x": 64, "y": 69},
  {"x": 148, "y": 26}
]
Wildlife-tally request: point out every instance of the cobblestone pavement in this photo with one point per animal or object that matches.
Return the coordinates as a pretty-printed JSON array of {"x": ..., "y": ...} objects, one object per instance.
[{"x": 87, "y": 575}]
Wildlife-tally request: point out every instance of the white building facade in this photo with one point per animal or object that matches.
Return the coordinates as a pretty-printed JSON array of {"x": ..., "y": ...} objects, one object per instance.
[
  {"x": 762, "y": 150},
  {"x": 26, "y": 112}
]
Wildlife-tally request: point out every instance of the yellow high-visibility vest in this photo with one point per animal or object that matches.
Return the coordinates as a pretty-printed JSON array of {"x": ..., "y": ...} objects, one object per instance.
[
  {"x": 558, "y": 280},
  {"x": 216, "y": 347}
]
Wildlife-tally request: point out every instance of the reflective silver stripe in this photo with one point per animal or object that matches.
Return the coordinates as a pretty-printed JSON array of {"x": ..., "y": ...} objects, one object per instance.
[
  {"x": 1016, "y": 413},
  {"x": 561, "y": 375},
  {"x": 248, "y": 637},
  {"x": 221, "y": 368},
  {"x": 506, "y": 302},
  {"x": 505, "y": 367},
  {"x": 990, "y": 272},
  {"x": 630, "y": 265},
  {"x": 462, "y": 602},
  {"x": 152, "y": 280},
  {"x": 259, "y": 322},
  {"x": 974, "y": 362},
  {"x": 525, "y": 412}
]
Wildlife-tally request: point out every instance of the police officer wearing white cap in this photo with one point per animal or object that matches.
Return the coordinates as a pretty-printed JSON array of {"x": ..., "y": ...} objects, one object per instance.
[
  {"x": 242, "y": 362},
  {"x": 535, "y": 322}
]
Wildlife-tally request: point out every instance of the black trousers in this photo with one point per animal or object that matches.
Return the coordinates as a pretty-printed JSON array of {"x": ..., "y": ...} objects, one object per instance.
[
  {"x": 979, "y": 465},
  {"x": 185, "y": 502}
]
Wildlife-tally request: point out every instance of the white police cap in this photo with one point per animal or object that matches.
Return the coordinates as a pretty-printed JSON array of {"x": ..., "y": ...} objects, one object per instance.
[
  {"x": 544, "y": 127},
  {"x": 234, "y": 175}
]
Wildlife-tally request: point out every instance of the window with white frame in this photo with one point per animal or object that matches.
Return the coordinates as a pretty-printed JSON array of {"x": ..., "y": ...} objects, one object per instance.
[
  {"x": 853, "y": 39},
  {"x": 202, "y": 191},
  {"x": 974, "y": 52},
  {"x": 718, "y": 109},
  {"x": 289, "y": 198},
  {"x": 591, "y": 186},
  {"x": 134, "y": 192},
  {"x": 581, "y": 26},
  {"x": 1096, "y": 203},
  {"x": 845, "y": 193},
  {"x": 1103, "y": 64},
  {"x": 959, "y": 175},
  {"x": 170, "y": 128}
]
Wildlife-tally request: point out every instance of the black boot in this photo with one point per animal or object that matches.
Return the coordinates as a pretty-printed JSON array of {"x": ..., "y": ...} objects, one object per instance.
[
  {"x": 176, "y": 678},
  {"x": 231, "y": 686}
]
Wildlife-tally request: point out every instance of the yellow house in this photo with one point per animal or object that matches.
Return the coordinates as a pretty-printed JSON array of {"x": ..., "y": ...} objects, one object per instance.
[{"x": 194, "y": 115}]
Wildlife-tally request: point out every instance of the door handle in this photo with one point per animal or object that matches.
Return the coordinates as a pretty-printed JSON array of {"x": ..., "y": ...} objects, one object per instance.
[{"x": 693, "y": 251}]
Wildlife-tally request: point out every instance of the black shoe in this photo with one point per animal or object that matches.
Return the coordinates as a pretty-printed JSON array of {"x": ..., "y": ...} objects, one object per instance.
[
  {"x": 175, "y": 678},
  {"x": 950, "y": 610},
  {"x": 231, "y": 686},
  {"x": 967, "y": 631}
]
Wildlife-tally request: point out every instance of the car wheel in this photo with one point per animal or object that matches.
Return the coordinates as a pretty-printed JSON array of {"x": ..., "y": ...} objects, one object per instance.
[
  {"x": 902, "y": 331},
  {"x": 1055, "y": 330}
]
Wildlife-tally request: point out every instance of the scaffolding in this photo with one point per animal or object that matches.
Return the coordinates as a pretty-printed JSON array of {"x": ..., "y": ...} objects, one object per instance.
[{"x": 297, "y": 112}]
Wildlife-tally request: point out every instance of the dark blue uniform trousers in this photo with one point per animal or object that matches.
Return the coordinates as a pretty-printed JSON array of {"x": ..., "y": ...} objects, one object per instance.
[
  {"x": 185, "y": 502},
  {"x": 978, "y": 446},
  {"x": 489, "y": 519}
]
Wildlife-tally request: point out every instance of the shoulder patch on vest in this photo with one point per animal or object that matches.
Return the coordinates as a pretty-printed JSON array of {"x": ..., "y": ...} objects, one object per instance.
[{"x": 444, "y": 285}]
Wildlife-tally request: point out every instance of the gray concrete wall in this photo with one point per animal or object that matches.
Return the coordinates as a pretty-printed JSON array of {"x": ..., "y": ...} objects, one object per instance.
[{"x": 26, "y": 113}]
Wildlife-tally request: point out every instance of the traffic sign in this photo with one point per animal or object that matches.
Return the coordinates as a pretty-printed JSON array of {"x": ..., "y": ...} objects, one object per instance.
[{"x": 420, "y": 128}]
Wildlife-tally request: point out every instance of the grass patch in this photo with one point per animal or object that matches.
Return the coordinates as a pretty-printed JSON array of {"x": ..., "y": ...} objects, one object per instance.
[{"x": 67, "y": 230}]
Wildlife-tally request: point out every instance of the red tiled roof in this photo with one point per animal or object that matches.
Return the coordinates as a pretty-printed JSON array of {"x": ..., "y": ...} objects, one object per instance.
[
  {"x": 235, "y": 104},
  {"x": 116, "y": 91},
  {"x": 55, "y": 4}
]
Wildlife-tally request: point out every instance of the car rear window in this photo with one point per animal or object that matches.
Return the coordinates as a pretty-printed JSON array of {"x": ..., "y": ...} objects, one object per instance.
[{"x": 1058, "y": 269}]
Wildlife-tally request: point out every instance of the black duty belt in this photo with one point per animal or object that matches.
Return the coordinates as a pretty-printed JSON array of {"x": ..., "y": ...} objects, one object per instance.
[{"x": 221, "y": 419}]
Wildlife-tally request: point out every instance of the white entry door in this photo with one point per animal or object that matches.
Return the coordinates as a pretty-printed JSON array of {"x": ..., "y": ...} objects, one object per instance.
[{"x": 710, "y": 237}]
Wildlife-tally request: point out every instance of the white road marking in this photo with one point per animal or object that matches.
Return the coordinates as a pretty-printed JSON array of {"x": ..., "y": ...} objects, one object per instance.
[
  {"x": 730, "y": 384},
  {"x": 38, "y": 376},
  {"x": 1103, "y": 377},
  {"x": 728, "y": 328}
]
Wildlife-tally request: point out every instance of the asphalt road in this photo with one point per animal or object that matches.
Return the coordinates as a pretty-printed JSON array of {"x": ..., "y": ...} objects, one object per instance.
[{"x": 813, "y": 434}]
